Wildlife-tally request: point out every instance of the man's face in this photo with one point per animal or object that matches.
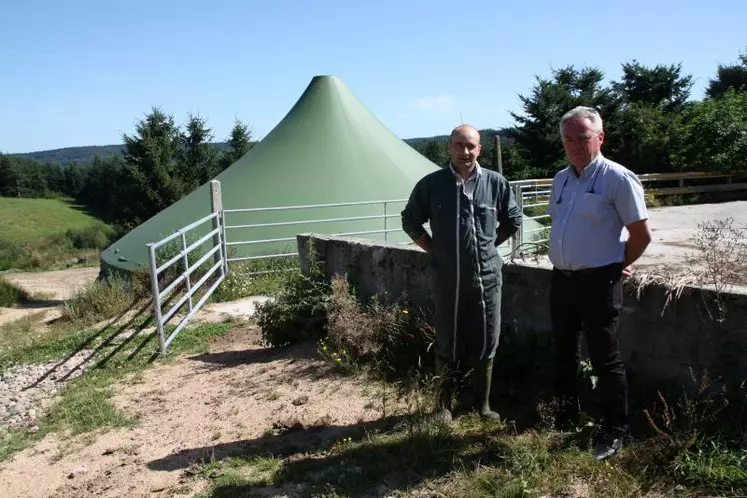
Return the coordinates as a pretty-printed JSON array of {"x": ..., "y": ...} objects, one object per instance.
[
  {"x": 581, "y": 142},
  {"x": 464, "y": 149}
]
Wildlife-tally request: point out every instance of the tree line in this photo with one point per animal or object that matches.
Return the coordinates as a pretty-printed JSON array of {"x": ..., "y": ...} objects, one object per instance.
[
  {"x": 652, "y": 124},
  {"x": 161, "y": 163}
]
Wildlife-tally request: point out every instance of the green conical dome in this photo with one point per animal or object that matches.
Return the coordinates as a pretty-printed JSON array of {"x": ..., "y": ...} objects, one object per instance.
[{"x": 329, "y": 148}]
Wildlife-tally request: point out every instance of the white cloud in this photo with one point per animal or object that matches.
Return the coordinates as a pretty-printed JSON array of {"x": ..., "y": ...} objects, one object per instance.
[{"x": 440, "y": 104}]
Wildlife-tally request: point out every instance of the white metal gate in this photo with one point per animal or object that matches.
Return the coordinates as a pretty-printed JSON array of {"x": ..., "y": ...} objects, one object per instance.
[{"x": 184, "y": 279}]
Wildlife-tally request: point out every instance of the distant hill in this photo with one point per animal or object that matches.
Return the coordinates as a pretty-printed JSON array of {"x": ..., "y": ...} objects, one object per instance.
[{"x": 85, "y": 154}]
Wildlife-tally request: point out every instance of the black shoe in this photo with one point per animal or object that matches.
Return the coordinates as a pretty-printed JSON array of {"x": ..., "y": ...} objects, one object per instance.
[{"x": 608, "y": 445}]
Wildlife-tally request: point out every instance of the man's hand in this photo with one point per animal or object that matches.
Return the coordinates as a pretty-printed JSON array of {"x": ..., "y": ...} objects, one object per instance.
[
  {"x": 424, "y": 242},
  {"x": 627, "y": 272}
]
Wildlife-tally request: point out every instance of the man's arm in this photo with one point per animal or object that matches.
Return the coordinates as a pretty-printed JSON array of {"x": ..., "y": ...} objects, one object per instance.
[
  {"x": 639, "y": 239},
  {"x": 415, "y": 215},
  {"x": 510, "y": 216},
  {"x": 630, "y": 203}
]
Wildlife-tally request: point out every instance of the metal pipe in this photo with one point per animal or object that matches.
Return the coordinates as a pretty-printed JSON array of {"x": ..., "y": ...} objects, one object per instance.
[{"x": 156, "y": 297}]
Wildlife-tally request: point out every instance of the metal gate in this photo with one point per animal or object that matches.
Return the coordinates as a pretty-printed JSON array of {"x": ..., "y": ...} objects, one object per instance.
[{"x": 184, "y": 279}]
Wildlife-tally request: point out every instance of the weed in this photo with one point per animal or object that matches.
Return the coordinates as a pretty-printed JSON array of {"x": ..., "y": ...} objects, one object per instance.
[
  {"x": 101, "y": 300},
  {"x": 297, "y": 311},
  {"x": 722, "y": 252},
  {"x": 11, "y": 295}
]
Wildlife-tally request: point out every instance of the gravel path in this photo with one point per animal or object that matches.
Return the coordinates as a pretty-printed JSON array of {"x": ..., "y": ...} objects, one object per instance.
[{"x": 26, "y": 391}]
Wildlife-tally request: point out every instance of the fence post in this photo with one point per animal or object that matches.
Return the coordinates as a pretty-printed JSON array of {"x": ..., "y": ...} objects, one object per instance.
[
  {"x": 518, "y": 239},
  {"x": 216, "y": 206},
  {"x": 498, "y": 154},
  {"x": 156, "y": 296},
  {"x": 386, "y": 224}
]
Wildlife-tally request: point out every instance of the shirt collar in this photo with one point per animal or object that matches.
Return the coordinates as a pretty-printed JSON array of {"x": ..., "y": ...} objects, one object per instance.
[
  {"x": 475, "y": 173},
  {"x": 589, "y": 169}
]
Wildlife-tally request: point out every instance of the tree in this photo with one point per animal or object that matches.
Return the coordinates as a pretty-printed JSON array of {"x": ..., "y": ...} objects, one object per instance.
[
  {"x": 716, "y": 133},
  {"x": 11, "y": 178},
  {"x": 72, "y": 180},
  {"x": 646, "y": 130},
  {"x": 537, "y": 134},
  {"x": 198, "y": 158},
  {"x": 731, "y": 76},
  {"x": 435, "y": 150},
  {"x": 240, "y": 143},
  {"x": 659, "y": 86},
  {"x": 150, "y": 179}
]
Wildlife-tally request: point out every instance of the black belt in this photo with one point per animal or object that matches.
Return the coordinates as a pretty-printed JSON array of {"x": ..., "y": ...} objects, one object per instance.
[{"x": 590, "y": 272}]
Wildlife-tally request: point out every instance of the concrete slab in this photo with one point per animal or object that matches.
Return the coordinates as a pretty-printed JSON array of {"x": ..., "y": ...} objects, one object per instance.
[
  {"x": 674, "y": 229},
  {"x": 242, "y": 308}
]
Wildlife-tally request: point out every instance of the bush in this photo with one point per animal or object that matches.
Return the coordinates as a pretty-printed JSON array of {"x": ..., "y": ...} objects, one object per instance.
[
  {"x": 14, "y": 256},
  {"x": 93, "y": 237},
  {"x": 10, "y": 294},
  {"x": 102, "y": 300},
  {"x": 297, "y": 311},
  {"x": 386, "y": 334}
]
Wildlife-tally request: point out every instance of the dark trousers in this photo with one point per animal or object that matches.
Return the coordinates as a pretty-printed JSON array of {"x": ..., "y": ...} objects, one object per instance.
[{"x": 591, "y": 299}]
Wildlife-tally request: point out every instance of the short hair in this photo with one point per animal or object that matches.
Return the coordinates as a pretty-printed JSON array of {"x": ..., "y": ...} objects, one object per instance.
[{"x": 583, "y": 112}]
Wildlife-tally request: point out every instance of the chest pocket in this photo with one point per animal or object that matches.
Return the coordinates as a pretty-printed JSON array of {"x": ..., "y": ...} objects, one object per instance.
[
  {"x": 594, "y": 207},
  {"x": 486, "y": 219}
]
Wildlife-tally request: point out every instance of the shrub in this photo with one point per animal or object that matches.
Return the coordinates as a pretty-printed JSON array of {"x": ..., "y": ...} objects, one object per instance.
[
  {"x": 386, "y": 334},
  {"x": 102, "y": 300},
  {"x": 10, "y": 294},
  {"x": 297, "y": 311},
  {"x": 14, "y": 256},
  {"x": 92, "y": 237}
]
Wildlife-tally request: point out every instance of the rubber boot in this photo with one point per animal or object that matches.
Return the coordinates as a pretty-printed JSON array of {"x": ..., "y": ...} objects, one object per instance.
[
  {"x": 444, "y": 392},
  {"x": 481, "y": 382}
]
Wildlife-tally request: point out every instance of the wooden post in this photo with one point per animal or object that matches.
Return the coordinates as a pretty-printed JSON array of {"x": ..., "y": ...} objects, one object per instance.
[
  {"x": 498, "y": 155},
  {"x": 216, "y": 206}
]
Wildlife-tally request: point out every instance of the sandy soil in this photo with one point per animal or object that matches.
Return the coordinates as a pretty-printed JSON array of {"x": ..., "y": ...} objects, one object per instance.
[
  {"x": 54, "y": 286},
  {"x": 190, "y": 411}
]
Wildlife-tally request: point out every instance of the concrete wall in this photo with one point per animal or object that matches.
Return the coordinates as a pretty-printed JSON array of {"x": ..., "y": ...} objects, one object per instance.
[{"x": 656, "y": 346}]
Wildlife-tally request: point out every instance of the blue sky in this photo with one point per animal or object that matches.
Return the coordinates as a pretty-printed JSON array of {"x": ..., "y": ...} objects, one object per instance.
[{"x": 84, "y": 72}]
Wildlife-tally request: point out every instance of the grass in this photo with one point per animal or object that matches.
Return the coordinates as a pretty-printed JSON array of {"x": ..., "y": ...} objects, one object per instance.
[
  {"x": 412, "y": 456},
  {"x": 122, "y": 344},
  {"x": 41, "y": 234},
  {"x": 11, "y": 295},
  {"x": 29, "y": 220}
]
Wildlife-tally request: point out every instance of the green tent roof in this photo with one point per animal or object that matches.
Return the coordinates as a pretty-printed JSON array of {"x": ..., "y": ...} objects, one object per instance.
[{"x": 329, "y": 148}]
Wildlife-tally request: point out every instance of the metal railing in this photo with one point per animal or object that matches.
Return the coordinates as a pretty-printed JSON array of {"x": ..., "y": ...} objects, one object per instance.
[
  {"x": 384, "y": 217},
  {"x": 530, "y": 195},
  {"x": 183, "y": 281}
]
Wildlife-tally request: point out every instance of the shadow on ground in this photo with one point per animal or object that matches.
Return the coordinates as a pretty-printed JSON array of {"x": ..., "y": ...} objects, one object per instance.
[
  {"x": 321, "y": 455},
  {"x": 108, "y": 336}
]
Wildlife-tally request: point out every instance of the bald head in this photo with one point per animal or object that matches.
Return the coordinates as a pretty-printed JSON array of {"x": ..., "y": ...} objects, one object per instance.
[
  {"x": 464, "y": 148},
  {"x": 464, "y": 131}
]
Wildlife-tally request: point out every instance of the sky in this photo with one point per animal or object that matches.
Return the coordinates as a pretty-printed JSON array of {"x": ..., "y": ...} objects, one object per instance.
[{"x": 78, "y": 73}]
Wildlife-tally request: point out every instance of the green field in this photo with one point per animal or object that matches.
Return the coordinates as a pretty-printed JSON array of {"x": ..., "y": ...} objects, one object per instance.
[
  {"x": 47, "y": 234},
  {"x": 28, "y": 220}
]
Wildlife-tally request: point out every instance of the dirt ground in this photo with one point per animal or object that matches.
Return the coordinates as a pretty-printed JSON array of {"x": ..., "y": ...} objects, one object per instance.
[
  {"x": 190, "y": 411},
  {"x": 231, "y": 398},
  {"x": 54, "y": 287}
]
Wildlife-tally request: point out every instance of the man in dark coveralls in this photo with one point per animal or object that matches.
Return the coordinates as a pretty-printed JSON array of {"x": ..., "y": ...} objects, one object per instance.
[{"x": 471, "y": 211}]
